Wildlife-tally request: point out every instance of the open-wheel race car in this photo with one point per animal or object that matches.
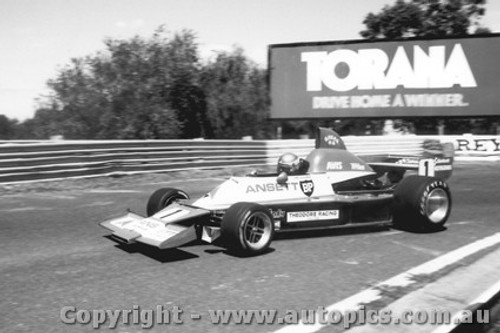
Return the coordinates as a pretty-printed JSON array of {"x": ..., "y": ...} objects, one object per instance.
[{"x": 330, "y": 188}]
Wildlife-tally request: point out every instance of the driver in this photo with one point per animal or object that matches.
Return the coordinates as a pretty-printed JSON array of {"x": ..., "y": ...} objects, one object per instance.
[{"x": 291, "y": 164}]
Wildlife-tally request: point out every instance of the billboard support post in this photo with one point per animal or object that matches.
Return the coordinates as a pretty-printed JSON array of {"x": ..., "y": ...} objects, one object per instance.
[{"x": 441, "y": 127}]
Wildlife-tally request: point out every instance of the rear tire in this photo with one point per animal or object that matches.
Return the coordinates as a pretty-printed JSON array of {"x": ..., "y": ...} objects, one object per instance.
[
  {"x": 421, "y": 203},
  {"x": 163, "y": 197},
  {"x": 247, "y": 228}
]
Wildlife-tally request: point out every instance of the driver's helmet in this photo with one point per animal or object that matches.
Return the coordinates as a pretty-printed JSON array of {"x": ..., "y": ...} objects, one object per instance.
[{"x": 292, "y": 164}]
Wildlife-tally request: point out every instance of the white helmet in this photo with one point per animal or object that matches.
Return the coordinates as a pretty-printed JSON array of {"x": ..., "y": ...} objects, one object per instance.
[{"x": 292, "y": 164}]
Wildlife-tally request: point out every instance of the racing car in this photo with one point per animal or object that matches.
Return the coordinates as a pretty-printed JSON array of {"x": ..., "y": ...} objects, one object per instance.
[{"x": 330, "y": 188}]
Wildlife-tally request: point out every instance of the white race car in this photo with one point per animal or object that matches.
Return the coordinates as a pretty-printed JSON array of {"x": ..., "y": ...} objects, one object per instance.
[{"x": 330, "y": 188}]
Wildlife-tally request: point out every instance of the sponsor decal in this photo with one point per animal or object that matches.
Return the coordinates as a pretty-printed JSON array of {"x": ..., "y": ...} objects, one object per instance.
[
  {"x": 277, "y": 214},
  {"x": 389, "y": 101},
  {"x": 426, "y": 167},
  {"x": 277, "y": 224},
  {"x": 357, "y": 166},
  {"x": 331, "y": 140},
  {"x": 415, "y": 161},
  {"x": 123, "y": 221},
  {"x": 472, "y": 144},
  {"x": 307, "y": 186},
  {"x": 147, "y": 225},
  {"x": 443, "y": 160},
  {"x": 427, "y": 70},
  {"x": 338, "y": 165},
  {"x": 407, "y": 161},
  {"x": 314, "y": 215},
  {"x": 369, "y": 69},
  {"x": 442, "y": 164},
  {"x": 271, "y": 187},
  {"x": 334, "y": 166},
  {"x": 443, "y": 167}
]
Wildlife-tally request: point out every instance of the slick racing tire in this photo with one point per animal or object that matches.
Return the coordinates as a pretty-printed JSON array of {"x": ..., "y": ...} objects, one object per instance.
[
  {"x": 421, "y": 203},
  {"x": 163, "y": 197},
  {"x": 247, "y": 228}
]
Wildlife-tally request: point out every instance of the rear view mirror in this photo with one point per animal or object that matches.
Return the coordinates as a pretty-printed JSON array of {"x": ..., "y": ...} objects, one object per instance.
[{"x": 282, "y": 178}]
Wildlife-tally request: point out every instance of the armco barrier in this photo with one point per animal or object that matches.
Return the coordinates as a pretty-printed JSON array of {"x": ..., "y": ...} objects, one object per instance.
[
  {"x": 49, "y": 160},
  {"x": 22, "y": 161}
]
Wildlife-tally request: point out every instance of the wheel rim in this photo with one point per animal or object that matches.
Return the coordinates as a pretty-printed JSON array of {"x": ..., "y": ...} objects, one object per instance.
[
  {"x": 437, "y": 204},
  {"x": 257, "y": 230}
]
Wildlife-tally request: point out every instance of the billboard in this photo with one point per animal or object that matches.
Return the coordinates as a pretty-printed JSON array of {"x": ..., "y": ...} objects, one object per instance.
[{"x": 404, "y": 78}]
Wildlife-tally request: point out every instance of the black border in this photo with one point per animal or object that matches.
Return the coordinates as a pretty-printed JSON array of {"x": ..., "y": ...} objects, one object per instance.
[
  {"x": 369, "y": 41},
  {"x": 378, "y": 40}
]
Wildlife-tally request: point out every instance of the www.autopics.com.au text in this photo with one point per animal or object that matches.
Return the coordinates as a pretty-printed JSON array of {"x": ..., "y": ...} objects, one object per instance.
[{"x": 175, "y": 315}]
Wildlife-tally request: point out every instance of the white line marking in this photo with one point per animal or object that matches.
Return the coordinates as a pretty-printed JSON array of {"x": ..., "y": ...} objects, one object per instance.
[
  {"x": 389, "y": 233},
  {"x": 463, "y": 222},
  {"x": 114, "y": 191},
  {"x": 369, "y": 295},
  {"x": 49, "y": 196},
  {"x": 417, "y": 248},
  {"x": 25, "y": 209},
  {"x": 104, "y": 203}
]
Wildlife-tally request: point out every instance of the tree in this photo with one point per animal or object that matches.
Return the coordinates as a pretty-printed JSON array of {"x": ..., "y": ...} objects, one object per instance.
[
  {"x": 139, "y": 88},
  {"x": 152, "y": 88},
  {"x": 7, "y": 127},
  {"x": 77, "y": 99},
  {"x": 425, "y": 18},
  {"x": 237, "y": 96}
]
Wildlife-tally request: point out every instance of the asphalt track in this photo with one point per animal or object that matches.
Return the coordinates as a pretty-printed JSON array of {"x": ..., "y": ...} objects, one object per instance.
[{"x": 53, "y": 254}]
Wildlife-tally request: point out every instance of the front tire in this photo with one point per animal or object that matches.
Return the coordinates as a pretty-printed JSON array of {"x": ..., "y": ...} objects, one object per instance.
[
  {"x": 421, "y": 203},
  {"x": 247, "y": 228},
  {"x": 163, "y": 197}
]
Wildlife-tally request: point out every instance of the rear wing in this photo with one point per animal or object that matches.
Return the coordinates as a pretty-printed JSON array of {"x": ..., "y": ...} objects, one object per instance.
[{"x": 435, "y": 161}]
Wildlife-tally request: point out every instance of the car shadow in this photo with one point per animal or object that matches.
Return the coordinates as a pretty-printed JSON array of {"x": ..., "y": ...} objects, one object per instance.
[
  {"x": 163, "y": 256},
  {"x": 329, "y": 232},
  {"x": 416, "y": 230},
  {"x": 178, "y": 254},
  {"x": 226, "y": 251},
  {"x": 246, "y": 255}
]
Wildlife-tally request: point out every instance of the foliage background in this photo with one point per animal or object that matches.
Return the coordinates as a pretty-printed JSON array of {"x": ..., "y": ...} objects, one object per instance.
[{"x": 159, "y": 88}]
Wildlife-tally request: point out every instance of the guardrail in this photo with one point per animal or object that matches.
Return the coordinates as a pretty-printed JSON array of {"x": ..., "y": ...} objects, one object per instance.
[{"x": 23, "y": 161}]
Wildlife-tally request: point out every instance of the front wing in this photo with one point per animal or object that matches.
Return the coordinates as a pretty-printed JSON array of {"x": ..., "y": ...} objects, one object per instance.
[{"x": 169, "y": 228}]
